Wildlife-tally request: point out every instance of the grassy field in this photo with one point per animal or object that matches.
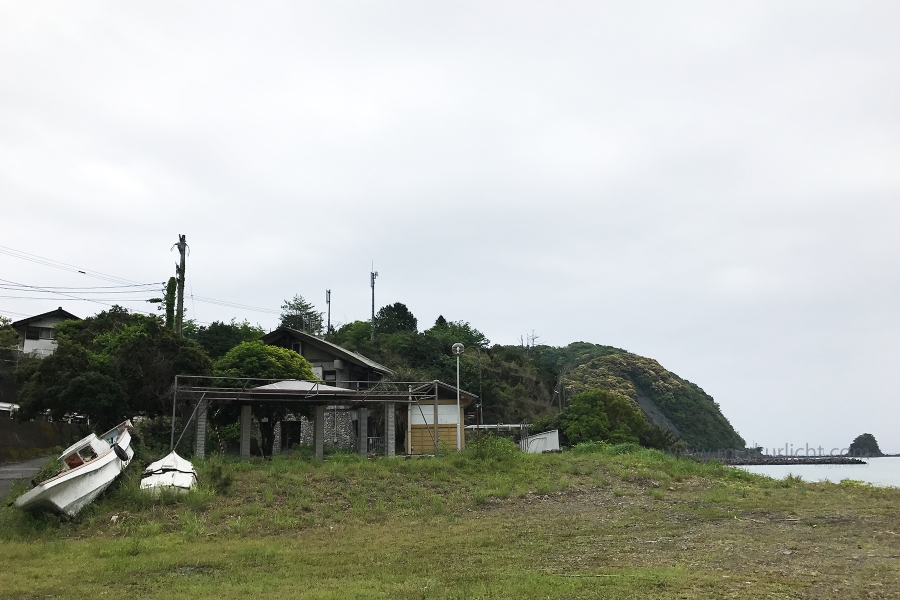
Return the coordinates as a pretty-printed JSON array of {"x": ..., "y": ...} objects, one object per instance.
[{"x": 491, "y": 523}]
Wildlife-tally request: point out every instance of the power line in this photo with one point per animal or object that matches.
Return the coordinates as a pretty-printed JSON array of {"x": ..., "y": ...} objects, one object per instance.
[
  {"x": 67, "y": 292},
  {"x": 94, "y": 299},
  {"x": 101, "y": 287},
  {"x": 49, "y": 262},
  {"x": 52, "y": 291},
  {"x": 236, "y": 305},
  {"x": 36, "y": 288}
]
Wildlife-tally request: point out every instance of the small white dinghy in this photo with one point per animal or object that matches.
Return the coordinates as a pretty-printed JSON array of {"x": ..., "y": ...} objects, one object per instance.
[
  {"x": 89, "y": 466},
  {"x": 170, "y": 472}
]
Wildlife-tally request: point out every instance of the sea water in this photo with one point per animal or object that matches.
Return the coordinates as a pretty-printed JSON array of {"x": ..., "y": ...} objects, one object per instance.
[{"x": 883, "y": 471}]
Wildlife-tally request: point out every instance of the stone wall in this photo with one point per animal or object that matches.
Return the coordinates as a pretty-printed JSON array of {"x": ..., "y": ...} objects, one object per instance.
[{"x": 340, "y": 429}]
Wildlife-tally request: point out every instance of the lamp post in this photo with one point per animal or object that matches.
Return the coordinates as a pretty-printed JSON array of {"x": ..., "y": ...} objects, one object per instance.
[{"x": 458, "y": 350}]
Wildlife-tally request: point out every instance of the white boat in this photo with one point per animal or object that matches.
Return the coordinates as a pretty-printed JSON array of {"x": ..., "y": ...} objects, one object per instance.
[
  {"x": 170, "y": 472},
  {"x": 89, "y": 466}
]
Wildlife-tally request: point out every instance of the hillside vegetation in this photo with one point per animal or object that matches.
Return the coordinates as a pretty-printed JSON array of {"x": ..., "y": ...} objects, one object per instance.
[
  {"x": 520, "y": 383},
  {"x": 667, "y": 399}
]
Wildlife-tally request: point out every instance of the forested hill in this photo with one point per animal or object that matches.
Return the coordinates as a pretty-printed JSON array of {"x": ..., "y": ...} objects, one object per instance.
[
  {"x": 665, "y": 398},
  {"x": 526, "y": 383}
]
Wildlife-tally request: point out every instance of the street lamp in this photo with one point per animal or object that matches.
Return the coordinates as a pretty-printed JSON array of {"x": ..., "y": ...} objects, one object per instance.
[{"x": 458, "y": 349}]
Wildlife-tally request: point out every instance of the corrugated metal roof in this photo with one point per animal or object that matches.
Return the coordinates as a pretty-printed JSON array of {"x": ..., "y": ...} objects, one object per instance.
[
  {"x": 297, "y": 384},
  {"x": 345, "y": 354}
]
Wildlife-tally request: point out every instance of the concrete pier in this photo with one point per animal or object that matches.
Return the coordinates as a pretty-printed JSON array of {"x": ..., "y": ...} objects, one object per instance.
[
  {"x": 319, "y": 432},
  {"x": 246, "y": 430},
  {"x": 390, "y": 429},
  {"x": 362, "y": 436}
]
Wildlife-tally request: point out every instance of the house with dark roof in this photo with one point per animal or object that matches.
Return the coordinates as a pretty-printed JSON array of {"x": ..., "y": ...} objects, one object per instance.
[
  {"x": 331, "y": 363},
  {"x": 37, "y": 335}
]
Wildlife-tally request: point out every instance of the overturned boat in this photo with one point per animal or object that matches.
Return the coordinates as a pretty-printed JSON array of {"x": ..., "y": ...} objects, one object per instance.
[
  {"x": 89, "y": 466},
  {"x": 170, "y": 472}
]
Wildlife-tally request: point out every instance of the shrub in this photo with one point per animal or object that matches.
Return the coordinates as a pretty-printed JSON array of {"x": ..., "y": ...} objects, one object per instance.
[
  {"x": 601, "y": 415},
  {"x": 492, "y": 448}
]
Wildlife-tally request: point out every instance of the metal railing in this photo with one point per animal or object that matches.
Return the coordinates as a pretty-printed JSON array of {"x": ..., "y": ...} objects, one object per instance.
[{"x": 375, "y": 445}]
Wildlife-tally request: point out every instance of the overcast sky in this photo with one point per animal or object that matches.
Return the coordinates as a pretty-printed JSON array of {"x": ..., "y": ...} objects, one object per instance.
[{"x": 713, "y": 185}]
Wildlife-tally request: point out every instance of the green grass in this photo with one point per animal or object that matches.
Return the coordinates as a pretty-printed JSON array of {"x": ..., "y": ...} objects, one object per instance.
[{"x": 489, "y": 523}]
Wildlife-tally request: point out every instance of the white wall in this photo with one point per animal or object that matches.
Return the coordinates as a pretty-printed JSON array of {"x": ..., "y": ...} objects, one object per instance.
[{"x": 447, "y": 414}]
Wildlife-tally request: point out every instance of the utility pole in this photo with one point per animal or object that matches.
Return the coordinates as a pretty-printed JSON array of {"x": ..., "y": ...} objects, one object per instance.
[
  {"x": 457, "y": 350},
  {"x": 373, "y": 274},
  {"x": 328, "y": 302},
  {"x": 179, "y": 270}
]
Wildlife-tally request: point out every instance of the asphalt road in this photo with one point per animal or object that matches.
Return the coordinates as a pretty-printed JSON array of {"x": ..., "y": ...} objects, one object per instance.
[{"x": 18, "y": 470}]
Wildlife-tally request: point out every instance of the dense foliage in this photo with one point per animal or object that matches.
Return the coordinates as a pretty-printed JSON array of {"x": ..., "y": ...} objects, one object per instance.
[
  {"x": 220, "y": 337},
  {"x": 256, "y": 359},
  {"x": 865, "y": 445},
  {"x": 600, "y": 415},
  {"x": 109, "y": 367}
]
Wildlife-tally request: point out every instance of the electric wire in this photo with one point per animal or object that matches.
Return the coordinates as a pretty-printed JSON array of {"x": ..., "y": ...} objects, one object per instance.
[
  {"x": 97, "y": 299},
  {"x": 41, "y": 260},
  {"x": 236, "y": 305},
  {"x": 37, "y": 288},
  {"x": 63, "y": 291},
  {"x": 52, "y": 291},
  {"x": 101, "y": 287}
]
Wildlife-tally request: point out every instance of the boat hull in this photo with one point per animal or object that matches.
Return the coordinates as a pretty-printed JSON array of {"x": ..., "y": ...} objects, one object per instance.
[
  {"x": 171, "y": 472},
  {"x": 71, "y": 491}
]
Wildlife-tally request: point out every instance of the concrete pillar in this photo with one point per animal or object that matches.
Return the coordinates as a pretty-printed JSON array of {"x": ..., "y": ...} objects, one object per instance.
[
  {"x": 200, "y": 448},
  {"x": 362, "y": 431},
  {"x": 390, "y": 429},
  {"x": 246, "y": 430},
  {"x": 319, "y": 432}
]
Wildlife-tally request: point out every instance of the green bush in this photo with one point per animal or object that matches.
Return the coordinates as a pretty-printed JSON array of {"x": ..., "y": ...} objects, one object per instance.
[
  {"x": 493, "y": 448},
  {"x": 602, "y": 415}
]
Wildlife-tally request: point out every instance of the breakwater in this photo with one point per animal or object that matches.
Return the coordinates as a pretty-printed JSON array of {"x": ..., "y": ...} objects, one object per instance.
[
  {"x": 794, "y": 460},
  {"x": 752, "y": 457}
]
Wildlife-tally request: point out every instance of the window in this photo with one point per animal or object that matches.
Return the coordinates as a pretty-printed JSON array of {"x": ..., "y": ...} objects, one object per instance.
[
  {"x": 46, "y": 333},
  {"x": 297, "y": 347},
  {"x": 32, "y": 333}
]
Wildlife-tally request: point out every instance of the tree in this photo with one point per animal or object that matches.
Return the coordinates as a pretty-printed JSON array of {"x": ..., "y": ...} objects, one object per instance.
[
  {"x": 219, "y": 337},
  {"x": 393, "y": 318},
  {"x": 113, "y": 366},
  {"x": 354, "y": 335},
  {"x": 9, "y": 339},
  {"x": 450, "y": 332},
  {"x": 169, "y": 300},
  {"x": 865, "y": 445},
  {"x": 301, "y": 315},
  {"x": 600, "y": 415},
  {"x": 256, "y": 359}
]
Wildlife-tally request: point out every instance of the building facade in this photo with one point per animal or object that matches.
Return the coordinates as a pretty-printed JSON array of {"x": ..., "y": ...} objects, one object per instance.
[{"x": 37, "y": 334}]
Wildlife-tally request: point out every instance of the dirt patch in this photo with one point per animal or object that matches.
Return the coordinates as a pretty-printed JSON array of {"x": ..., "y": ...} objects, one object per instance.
[{"x": 806, "y": 552}]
